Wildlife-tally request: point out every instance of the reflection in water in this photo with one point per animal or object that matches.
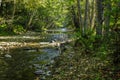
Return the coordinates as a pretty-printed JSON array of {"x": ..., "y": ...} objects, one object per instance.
[
  {"x": 50, "y": 54},
  {"x": 18, "y": 67},
  {"x": 22, "y": 64}
]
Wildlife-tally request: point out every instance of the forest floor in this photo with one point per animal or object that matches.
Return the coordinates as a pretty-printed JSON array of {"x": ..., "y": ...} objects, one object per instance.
[{"x": 75, "y": 65}]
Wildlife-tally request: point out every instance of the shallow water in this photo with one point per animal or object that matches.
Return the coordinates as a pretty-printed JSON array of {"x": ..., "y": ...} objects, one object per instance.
[{"x": 25, "y": 64}]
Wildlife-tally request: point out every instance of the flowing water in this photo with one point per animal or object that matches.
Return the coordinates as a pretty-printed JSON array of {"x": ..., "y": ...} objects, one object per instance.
[{"x": 27, "y": 63}]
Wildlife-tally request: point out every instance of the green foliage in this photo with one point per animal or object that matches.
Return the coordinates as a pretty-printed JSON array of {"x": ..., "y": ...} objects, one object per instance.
[
  {"x": 86, "y": 41},
  {"x": 18, "y": 29},
  {"x": 34, "y": 14},
  {"x": 4, "y": 30},
  {"x": 102, "y": 52},
  {"x": 3, "y": 27},
  {"x": 21, "y": 20}
]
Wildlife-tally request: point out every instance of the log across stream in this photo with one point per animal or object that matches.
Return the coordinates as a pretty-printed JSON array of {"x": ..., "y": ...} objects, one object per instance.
[{"x": 29, "y": 56}]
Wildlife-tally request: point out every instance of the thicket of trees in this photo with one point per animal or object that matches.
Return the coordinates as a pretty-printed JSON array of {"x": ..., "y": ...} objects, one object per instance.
[
  {"x": 99, "y": 15},
  {"x": 20, "y": 15},
  {"x": 98, "y": 28},
  {"x": 98, "y": 22}
]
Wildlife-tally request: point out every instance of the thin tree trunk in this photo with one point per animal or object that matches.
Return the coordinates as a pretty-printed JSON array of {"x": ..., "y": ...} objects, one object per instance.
[
  {"x": 11, "y": 21},
  {"x": 92, "y": 14},
  {"x": 75, "y": 18},
  {"x": 99, "y": 17},
  {"x": 31, "y": 19},
  {"x": 89, "y": 15},
  {"x": 80, "y": 16},
  {"x": 86, "y": 16},
  {"x": 0, "y": 2},
  {"x": 107, "y": 17},
  {"x": 14, "y": 10}
]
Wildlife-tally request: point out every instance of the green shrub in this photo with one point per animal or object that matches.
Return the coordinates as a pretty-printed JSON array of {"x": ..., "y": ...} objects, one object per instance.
[
  {"x": 3, "y": 27},
  {"x": 86, "y": 41},
  {"x": 18, "y": 29}
]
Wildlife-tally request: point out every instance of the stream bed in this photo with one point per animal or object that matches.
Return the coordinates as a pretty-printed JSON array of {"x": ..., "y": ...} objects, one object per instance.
[{"x": 28, "y": 63}]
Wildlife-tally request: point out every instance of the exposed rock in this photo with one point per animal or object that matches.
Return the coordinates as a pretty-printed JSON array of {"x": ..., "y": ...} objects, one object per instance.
[{"x": 8, "y": 56}]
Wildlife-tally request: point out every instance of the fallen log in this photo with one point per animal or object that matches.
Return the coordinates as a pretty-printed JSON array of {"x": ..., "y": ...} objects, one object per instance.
[{"x": 13, "y": 45}]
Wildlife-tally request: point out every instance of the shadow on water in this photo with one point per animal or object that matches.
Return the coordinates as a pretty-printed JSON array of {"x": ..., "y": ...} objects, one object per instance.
[
  {"x": 21, "y": 64},
  {"x": 16, "y": 67}
]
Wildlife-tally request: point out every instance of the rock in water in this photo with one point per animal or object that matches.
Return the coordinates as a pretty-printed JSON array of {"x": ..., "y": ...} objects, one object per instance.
[
  {"x": 8, "y": 56},
  {"x": 39, "y": 72}
]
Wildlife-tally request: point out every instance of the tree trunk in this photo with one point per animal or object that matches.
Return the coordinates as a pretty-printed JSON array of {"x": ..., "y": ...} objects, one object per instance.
[
  {"x": 99, "y": 16},
  {"x": 92, "y": 14},
  {"x": 80, "y": 16},
  {"x": 107, "y": 17},
  {"x": 0, "y": 2},
  {"x": 75, "y": 18},
  {"x": 14, "y": 9},
  {"x": 86, "y": 16},
  {"x": 31, "y": 19}
]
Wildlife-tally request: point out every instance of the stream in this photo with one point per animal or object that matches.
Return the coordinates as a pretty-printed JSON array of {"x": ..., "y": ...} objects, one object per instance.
[{"x": 29, "y": 63}]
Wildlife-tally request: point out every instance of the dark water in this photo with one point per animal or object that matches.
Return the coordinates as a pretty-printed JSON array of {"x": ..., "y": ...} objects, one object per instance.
[{"x": 24, "y": 64}]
